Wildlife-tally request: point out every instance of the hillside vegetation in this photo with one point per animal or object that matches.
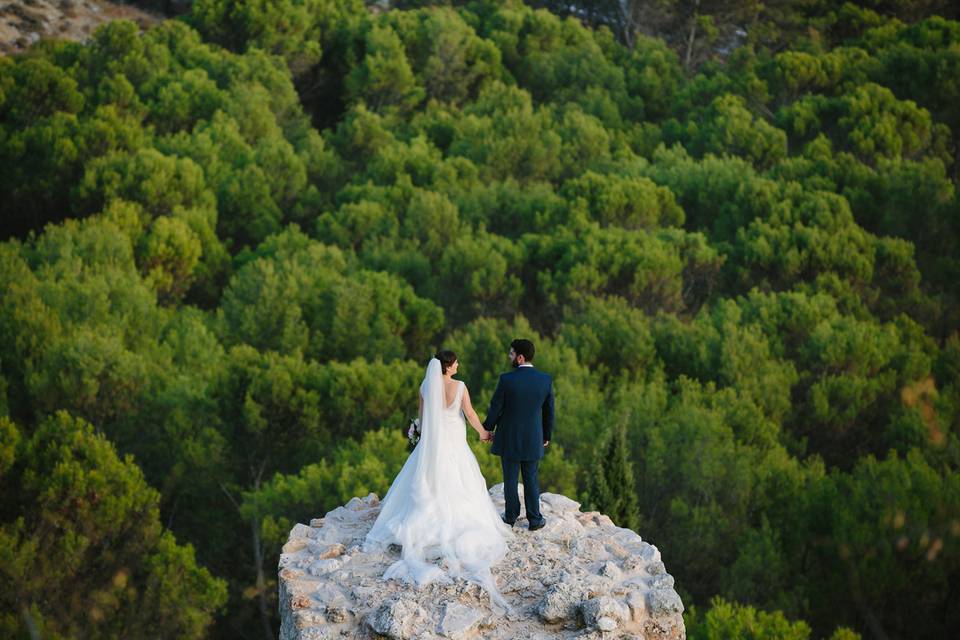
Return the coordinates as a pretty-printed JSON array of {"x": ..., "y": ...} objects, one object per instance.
[{"x": 232, "y": 241}]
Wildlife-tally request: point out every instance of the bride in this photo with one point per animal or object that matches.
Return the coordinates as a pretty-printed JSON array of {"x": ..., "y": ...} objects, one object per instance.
[{"x": 438, "y": 507}]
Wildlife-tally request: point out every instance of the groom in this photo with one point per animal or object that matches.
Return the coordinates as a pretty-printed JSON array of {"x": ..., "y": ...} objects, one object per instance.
[{"x": 522, "y": 408}]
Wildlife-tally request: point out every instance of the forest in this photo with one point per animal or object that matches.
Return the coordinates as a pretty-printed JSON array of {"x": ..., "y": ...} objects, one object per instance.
[{"x": 232, "y": 241}]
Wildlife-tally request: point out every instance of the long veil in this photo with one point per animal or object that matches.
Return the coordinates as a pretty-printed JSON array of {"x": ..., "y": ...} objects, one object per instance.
[{"x": 432, "y": 515}]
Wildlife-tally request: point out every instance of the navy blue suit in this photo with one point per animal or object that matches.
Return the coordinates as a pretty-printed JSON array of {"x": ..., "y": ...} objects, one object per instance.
[{"x": 521, "y": 417}]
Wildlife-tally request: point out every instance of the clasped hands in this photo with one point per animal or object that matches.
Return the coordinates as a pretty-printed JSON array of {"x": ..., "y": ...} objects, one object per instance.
[{"x": 487, "y": 436}]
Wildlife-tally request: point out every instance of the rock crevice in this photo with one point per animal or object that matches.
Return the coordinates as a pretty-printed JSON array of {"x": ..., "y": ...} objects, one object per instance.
[{"x": 578, "y": 577}]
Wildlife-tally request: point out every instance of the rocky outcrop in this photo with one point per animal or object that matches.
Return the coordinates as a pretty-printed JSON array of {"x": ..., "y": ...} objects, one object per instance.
[
  {"x": 578, "y": 577},
  {"x": 25, "y": 22}
]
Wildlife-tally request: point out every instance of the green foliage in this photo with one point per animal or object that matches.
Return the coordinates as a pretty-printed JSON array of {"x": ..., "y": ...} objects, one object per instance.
[
  {"x": 722, "y": 346},
  {"x": 171, "y": 252},
  {"x": 611, "y": 488},
  {"x": 732, "y": 621},
  {"x": 278, "y": 412},
  {"x": 300, "y": 296},
  {"x": 667, "y": 269},
  {"x": 507, "y": 136},
  {"x": 82, "y": 547},
  {"x": 450, "y": 60},
  {"x": 235, "y": 237},
  {"x": 727, "y": 127},
  {"x": 355, "y": 468},
  {"x": 705, "y": 476},
  {"x": 81, "y": 329},
  {"x": 870, "y": 123},
  {"x": 726, "y": 620},
  {"x": 612, "y": 338},
  {"x": 178, "y": 126},
  {"x": 895, "y": 525},
  {"x": 294, "y": 29},
  {"x": 384, "y": 79},
  {"x": 630, "y": 203}
]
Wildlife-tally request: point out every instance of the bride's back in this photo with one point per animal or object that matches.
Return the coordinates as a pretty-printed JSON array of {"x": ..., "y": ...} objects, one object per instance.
[{"x": 453, "y": 395}]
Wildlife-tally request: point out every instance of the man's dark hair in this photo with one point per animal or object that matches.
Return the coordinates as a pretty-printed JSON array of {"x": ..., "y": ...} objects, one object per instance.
[
  {"x": 446, "y": 358},
  {"x": 523, "y": 348}
]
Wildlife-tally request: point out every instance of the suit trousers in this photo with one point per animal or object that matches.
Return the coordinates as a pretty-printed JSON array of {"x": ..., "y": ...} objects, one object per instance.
[{"x": 531, "y": 490}]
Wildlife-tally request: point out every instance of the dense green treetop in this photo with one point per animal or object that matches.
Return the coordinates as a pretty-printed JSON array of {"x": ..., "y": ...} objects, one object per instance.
[{"x": 732, "y": 229}]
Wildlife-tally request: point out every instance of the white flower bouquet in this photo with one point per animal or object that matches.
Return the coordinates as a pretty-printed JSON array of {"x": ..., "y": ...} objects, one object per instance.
[{"x": 413, "y": 433}]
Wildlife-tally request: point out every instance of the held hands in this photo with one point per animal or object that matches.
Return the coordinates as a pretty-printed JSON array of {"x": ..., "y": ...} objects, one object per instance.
[{"x": 487, "y": 436}]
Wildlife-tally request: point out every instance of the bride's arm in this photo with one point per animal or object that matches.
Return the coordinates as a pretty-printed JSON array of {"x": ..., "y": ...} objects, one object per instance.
[
  {"x": 420, "y": 408},
  {"x": 470, "y": 414}
]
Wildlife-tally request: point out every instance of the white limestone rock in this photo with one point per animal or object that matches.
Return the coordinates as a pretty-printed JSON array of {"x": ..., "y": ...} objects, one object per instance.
[
  {"x": 322, "y": 550},
  {"x": 656, "y": 568},
  {"x": 559, "y": 502},
  {"x": 295, "y": 545},
  {"x": 459, "y": 621},
  {"x": 637, "y": 605},
  {"x": 578, "y": 577},
  {"x": 663, "y": 602},
  {"x": 301, "y": 531},
  {"x": 611, "y": 570},
  {"x": 561, "y": 602},
  {"x": 324, "y": 566},
  {"x": 397, "y": 618},
  {"x": 605, "y": 613},
  {"x": 317, "y": 633}
]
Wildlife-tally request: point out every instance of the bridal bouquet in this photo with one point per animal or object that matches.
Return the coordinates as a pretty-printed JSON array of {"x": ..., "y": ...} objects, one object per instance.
[{"x": 413, "y": 433}]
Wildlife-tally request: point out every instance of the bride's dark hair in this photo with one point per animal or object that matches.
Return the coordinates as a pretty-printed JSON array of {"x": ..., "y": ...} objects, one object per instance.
[{"x": 446, "y": 358}]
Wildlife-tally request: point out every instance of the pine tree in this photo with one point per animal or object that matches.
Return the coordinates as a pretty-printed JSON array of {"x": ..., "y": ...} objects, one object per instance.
[
  {"x": 82, "y": 550},
  {"x": 611, "y": 488}
]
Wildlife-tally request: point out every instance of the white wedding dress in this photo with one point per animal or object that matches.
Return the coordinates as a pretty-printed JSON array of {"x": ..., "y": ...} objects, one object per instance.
[{"x": 438, "y": 508}]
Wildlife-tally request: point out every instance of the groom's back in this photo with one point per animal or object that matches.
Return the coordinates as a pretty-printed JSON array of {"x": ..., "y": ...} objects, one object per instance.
[
  {"x": 526, "y": 389},
  {"x": 521, "y": 430}
]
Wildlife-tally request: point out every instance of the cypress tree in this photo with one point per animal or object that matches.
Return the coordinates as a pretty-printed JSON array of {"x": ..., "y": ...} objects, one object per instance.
[{"x": 611, "y": 488}]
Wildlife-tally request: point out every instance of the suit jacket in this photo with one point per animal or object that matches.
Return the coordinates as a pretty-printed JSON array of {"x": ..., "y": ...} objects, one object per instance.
[{"x": 521, "y": 414}]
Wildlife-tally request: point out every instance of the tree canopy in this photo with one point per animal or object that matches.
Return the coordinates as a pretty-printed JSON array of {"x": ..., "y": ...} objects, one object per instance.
[{"x": 732, "y": 230}]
